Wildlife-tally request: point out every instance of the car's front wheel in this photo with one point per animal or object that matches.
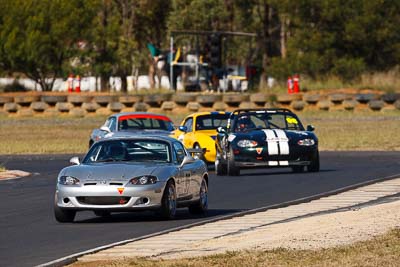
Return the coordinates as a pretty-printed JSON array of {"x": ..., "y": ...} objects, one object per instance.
[
  {"x": 168, "y": 202},
  {"x": 220, "y": 166},
  {"x": 64, "y": 215},
  {"x": 201, "y": 207},
  {"x": 314, "y": 165},
  {"x": 233, "y": 170}
]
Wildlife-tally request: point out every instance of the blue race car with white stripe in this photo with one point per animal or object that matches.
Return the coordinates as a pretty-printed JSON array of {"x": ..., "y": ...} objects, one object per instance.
[{"x": 265, "y": 138}]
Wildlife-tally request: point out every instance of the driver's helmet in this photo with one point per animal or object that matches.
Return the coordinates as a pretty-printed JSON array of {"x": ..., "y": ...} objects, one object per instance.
[{"x": 244, "y": 123}]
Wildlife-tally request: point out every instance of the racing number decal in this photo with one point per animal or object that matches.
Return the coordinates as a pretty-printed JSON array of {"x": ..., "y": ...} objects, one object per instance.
[
  {"x": 278, "y": 143},
  {"x": 291, "y": 120}
]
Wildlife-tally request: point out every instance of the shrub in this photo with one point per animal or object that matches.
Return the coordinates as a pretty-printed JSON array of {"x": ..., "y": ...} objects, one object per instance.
[{"x": 14, "y": 87}]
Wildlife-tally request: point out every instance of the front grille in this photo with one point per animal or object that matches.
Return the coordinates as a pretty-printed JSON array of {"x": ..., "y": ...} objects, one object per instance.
[{"x": 103, "y": 200}]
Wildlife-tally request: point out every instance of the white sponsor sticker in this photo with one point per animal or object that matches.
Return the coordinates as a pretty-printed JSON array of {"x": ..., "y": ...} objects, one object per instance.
[
  {"x": 272, "y": 163},
  {"x": 231, "y": 137},
  {"x": 284, "y": 163}
]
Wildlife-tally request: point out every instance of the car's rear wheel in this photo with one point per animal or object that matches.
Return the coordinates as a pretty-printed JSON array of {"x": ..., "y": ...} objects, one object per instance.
[
  {"x": 233, "y": 170},
  {"x": 220, "y": 166},
  {"x": 201, "y": 207},
  {"x": 168, "y": 202},
  {"x": 314, "y": 165},
  {"x": 64, "y": 215},
  {"x": 199, "y": 155}
]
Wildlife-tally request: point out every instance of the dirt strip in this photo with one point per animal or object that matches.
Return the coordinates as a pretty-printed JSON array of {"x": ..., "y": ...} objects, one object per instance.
[{"x": 12, "y": 174}]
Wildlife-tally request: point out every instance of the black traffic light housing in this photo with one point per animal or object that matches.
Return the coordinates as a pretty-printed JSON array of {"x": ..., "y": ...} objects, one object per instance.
[{"x": 215, "y": 50}]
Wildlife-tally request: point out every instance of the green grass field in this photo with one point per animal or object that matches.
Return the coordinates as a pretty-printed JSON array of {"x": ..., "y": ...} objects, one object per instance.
[{"x": 336, "y": 131}]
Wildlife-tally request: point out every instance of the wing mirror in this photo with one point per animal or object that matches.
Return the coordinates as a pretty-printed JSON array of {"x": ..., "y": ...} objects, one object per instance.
[
  {"x": 187, "y": 160},
  {"x": 221, "y": 130},
  {"x": 182, "y": 128},
  {"x": 74, "y": 161},
  {"x": 105, "y": 128},
  {"x": 310, "y": 128}
]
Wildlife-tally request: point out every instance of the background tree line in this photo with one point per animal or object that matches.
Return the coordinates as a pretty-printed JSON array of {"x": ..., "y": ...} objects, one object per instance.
[{"x": 45, "y": 39}]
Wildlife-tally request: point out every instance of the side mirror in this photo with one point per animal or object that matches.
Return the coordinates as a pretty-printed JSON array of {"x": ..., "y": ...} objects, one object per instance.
[
  {"x": 310, "y": 128},
  {"x": 182, "y": 128},
  {"x": 105, "y": 128},
  {"x": 221, "y": 130},
  {"x": 74, "y": 161},
  {"x": 187, "y": 160}
]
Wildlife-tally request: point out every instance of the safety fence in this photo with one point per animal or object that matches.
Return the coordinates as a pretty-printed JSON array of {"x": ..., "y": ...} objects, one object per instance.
[{"x": 83, "y": 104}]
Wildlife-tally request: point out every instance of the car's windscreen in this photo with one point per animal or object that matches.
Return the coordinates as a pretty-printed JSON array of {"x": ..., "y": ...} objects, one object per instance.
[
  {"x": 266, "y": 120},
  {"x": 129, "y": 150},
  {"x": 211, "y": 121},
  {"x": 144, "y": 123}
]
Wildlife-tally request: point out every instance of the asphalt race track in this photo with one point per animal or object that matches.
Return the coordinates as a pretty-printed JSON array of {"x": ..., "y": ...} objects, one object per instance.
[{"x": 31, "y": 236}]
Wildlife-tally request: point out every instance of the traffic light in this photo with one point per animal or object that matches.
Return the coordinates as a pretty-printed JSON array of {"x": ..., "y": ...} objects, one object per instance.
[{"x": 215, "y": 50}]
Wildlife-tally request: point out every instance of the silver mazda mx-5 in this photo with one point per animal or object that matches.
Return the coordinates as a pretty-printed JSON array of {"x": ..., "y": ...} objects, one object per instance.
[{"x": 130, "y": 174}]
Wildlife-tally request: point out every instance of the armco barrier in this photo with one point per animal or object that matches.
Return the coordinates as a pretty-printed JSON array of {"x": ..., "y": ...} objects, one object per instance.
[{"x": 55, "y": 104}]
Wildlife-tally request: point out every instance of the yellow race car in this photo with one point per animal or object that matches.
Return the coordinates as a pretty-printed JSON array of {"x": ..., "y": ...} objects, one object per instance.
[{"x": 198, "y": 131}]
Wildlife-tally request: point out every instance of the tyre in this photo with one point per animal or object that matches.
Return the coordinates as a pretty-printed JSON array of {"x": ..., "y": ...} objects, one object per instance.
[
  {"x": 220, "y": 166},
  {"x": 202, "y": 206},
  {"x": 199, "y": 155},
  {"x": 64, "y": 215},
  {"x": 314, "y": 165},
  {"x": 298, "y": 169},
  {"x": 233, "y": 170},
  {"x": 168, "y": 202}
]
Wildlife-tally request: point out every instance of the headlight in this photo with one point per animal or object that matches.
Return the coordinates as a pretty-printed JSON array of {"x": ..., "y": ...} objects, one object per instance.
[
  {"x": 306, "y": 142},
  {"x": 68, "y": 180},
  {"x": 144, "y": 179},
  {"x": 247, "y": 143}
]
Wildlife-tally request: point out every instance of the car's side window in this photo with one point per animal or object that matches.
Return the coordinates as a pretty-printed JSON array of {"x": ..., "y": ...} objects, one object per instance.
[
  {"x": 111, "y": 123},
  {"x": 179, "y": 152},
  {"x": 189, "y": 124}
]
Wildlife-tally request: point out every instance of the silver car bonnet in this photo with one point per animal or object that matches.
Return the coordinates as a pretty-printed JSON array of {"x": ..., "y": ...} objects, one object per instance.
[{"x": 109, "y": 171}]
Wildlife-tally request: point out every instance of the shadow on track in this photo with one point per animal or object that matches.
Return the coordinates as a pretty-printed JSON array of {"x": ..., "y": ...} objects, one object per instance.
[{"x": 148, "y": 216}]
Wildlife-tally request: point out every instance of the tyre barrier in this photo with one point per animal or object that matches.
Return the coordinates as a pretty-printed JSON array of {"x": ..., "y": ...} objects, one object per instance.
[
  {"x": 5, "y": 99},
  {"x": 337, "y": 99},
  {"x": 130, "y": 100},
  {"x": 183, "y": 99},
  {"x": 391, "y": 98},
  {"x": 311, "y": 99},
  {"x": 52, "y": 100},
  {"x": 259, "y": 98},
  {"x": 104, "y": 100},
  {"x": 26, "y": 100},
  {"x": 85, "y": 104},
  {"x": 349, "y": 104},
  {"x": 234, "y": 100},
  {"x": 39, "y": 106},
  {"x": 208, "y": 100}
]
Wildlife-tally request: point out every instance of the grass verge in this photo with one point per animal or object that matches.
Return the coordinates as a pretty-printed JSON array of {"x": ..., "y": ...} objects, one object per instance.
[
  {"x": 380, "y": 251},
  {"x": 340, "y": 130}
]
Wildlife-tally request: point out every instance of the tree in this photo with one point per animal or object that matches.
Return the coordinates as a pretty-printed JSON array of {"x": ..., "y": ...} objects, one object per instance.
[{"x": 38, "y": 36}]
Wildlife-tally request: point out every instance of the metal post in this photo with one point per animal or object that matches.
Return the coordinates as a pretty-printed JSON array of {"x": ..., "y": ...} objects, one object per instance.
[{"x": 171, "y": 69}]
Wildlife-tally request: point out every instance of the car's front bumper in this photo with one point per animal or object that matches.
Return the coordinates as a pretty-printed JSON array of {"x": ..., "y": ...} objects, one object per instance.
[
  {"x": 272, "y": 163},
  {"x": 112, "y": 198}
]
